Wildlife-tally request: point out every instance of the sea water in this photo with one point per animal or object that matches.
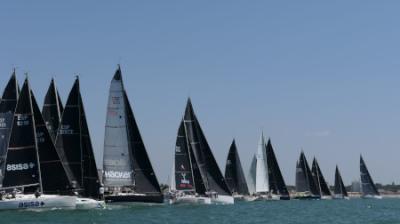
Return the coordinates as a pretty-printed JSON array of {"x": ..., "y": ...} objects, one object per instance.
[{"x": 386, "y": 211}]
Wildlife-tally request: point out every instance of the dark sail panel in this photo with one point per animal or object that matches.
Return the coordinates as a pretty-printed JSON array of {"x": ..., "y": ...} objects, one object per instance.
[
  {"x": 183, "y": 167},
  {"x": 367, "y": 184},
  {"x": 208, "y": 167},
  {"x": 306, "y": 181},
  {"x": 8, "y": 102},
  {"x": 54, "y": 177},
  {"x": 339, "y": 188},
  {"x": 22, "y": 166},
  {"x": 52, "y": 110},
  {"x": 319, "y": 179},
  {"x": 276, "y": 182},
  {"x": 91, "y": 181},
  {"x": 234, "y": 175},
  {"x": 301, "y": 181},
  {"x": 145, "y": 178},
  {"x": 68, "y": 141}
]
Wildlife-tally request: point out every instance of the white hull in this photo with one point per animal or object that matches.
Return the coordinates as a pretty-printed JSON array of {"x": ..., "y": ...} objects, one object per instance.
[
  {"x": 223, "y": 199},
  {"x": 371, "y": 196},
  {"x": 88, "y": 203},
  {"x": 264, "y": 197},
  {"x": 43, "y": 202},
  {"x": 339, "y": 197},
  {"x": 191, "y": 199},
  {"x": 326, "y": 197}
]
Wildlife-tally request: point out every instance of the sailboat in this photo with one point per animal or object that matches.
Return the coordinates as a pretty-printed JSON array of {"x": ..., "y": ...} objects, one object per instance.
[
  {"x": 197, "y": 175},
  {"x": 8, "y": 103},
  {"x": 276, "y": 182},
  {"x": 258, "y": 175},
  {"x": 340, "y": 191},
  {"x": 234, "y": 175},
  {"x": 306, "y": 188},
  {"x": 52, "y": 110},
  {"x": 319, "y": 179},
  {"x": 368, "y": 188},
  {"x": 23, "y": 178},
  {"x": 128, "y": 175},
  {"x": 76, "y": 152}
]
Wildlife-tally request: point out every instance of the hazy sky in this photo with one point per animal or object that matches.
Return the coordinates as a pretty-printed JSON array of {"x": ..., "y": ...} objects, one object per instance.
[{"x": 324, "y": 77}]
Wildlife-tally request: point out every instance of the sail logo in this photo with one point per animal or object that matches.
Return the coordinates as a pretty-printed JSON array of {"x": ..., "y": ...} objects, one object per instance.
[
  {"x": 20, "y": 166},
  {"x": 40, "y": 137},
  {"x": 30, "y": 204},
  {"x": 23, "y": 120},
  {"x": 184, "y": 180},
  {"x": 117, "y": 174},
  {"x": 177, "y": 149},
  {"x": 66, "y": 130},
  {"x": 3, "y": 123}
]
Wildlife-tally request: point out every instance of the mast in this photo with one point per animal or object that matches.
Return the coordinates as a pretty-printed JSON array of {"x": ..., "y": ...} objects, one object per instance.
[{"x": 8, "y": 103}]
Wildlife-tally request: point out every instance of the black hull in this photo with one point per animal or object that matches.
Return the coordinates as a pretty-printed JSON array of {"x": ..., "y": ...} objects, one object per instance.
[
  {"x": 135, "y": 198},
  {"x": 307, "y": 198},
  {"x": 284, "y": 198}
]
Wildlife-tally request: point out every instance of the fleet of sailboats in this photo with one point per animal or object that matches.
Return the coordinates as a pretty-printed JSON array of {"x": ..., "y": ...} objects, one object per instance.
[{"x": 47, "y": 159}]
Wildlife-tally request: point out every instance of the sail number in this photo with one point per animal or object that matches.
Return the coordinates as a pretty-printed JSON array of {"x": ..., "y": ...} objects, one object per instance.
[
  {"x": 3, "y": 123},
  {"x": 117, "y": 174},
  {"x": 23, "y": 120},
  {"x": 40, "y": 137},
  {"x": 20, "y": 166},
  {"x": 66, "y": 130}
]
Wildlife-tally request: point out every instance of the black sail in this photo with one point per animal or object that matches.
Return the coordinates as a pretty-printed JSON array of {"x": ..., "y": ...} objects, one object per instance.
[
  {"x": 8, "y": 102},
  {"x": 22, "y": 166},
  {"x": 52, "y": 110},
  {"x": 276, "y": 182},
  {"x": 74, "y": 146},
  {"x": 211, "y": 174},
  {"x": 304, "y": 179},
  {"x": 367, "y": 184},
  {"x": 234, "y": 175},
  {"x": 183, "y": 167},
  {"x": 339, "y": 188},
  {"x": 145, "y": 178},
  {"x": 319, "y": 179},
  {"x": 54, "y": 177}
]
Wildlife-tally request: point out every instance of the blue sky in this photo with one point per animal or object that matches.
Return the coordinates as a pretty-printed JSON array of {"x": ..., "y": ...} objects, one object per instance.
[{"x": 322, "y": 76}]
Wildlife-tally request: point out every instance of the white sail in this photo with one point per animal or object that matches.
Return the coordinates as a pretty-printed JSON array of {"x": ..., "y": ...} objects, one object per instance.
[
  {"x": 251, "y": 179},
  {"x": 261, "y": 183},
  {"x": 117, "y": 165},
  {"x": 172, "y": 184}
]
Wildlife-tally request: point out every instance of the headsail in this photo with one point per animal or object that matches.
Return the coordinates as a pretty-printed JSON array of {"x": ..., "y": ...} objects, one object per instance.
[
  {"x": 8, "y": 102},
  {"x": 211, "y": 174},
  {"x": 75, "y": 148},
  {"x": 319, "y": 179},
  {"x": 22, "y": 165},
  {"x": 367, "y": 184},
  {"x": 54, "y": 177},
  {"x": 52, "y": 110},
  {"x": 234, "y": 175},
  {"x": 339, "y": 188},
  {"x": 304, "y": 179},
  {"x": 276, "y": 182}
]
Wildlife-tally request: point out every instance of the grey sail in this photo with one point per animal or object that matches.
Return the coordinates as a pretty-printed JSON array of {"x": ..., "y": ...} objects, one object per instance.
[
  {"x": 319, "y": 179},
  {"x": 339, "y": 188},
  {"x": 8, "y": 103},
  {"x": 117, "y": 157},
  {"x": 52, "y": 110},
  {"x": 211, "y": 174},
  {"x": 234, "y": 175},
  {"x": 367, "y": 184}
]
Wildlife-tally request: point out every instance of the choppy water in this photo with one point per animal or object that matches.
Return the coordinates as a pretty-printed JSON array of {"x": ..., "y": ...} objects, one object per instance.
[{"x": 320, "y": 212}]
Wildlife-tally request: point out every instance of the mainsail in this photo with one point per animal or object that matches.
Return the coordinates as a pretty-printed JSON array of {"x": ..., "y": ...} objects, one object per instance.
[
  {"x": 319, "y": 179},
  {"x": 203, "y": 158},
  {"x": 22, "y": 163},
  {"x": 258, "y": 170},
  {"x": 74, "y": 146},
  {"x": 8, "y": 102},
  {"x": 367, "y": 184},
  {"x": 52, "y": 110},
  {"x": 339, "y": 188},
  {"x": 276, "y": 182},
  {"x": 126, "y": 162},
  {"x": 234, "y": 175},
  {"x": 183, "y": 167},
  {"x": 304, "y": 178},
  {"x": 54, "y": 177}
]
